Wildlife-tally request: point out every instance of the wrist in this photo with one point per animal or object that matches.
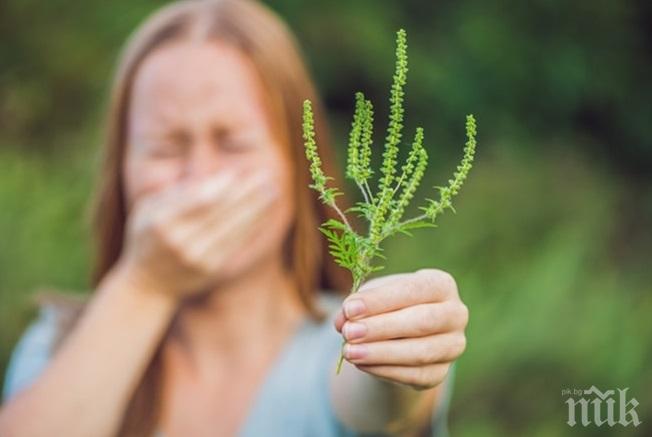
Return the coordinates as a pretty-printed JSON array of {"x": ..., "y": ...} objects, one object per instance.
[
  {"x": 412, "y": 409},
  {"x": 131, "y": 281}
]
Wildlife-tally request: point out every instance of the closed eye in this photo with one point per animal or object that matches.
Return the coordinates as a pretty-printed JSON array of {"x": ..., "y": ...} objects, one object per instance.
[
  {"x": 229, "y": 141},
  {"x": 165, "y": 150},
  {"x": 170, "y": 145}
]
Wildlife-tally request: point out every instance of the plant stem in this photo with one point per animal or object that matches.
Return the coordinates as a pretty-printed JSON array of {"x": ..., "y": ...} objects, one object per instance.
[
  {"x": 364, "y": 193},
  {"x": 371, "y": 196},
  {"x": 398, "y": 185},
  {"x": 413, "y": 219},
  {"x": 340, "y": 360},
  {"x": 341, "y": 214},
  {"x": 354, "y": 289}
]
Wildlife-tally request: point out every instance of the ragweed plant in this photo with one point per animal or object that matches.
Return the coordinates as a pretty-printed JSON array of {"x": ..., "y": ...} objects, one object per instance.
[{"x": 384, "y": 208}]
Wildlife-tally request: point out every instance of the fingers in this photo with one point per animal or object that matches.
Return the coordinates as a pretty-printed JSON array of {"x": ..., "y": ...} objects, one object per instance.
[
  {"x": 420, "y": 351},
  {"x": 420, "y": 378},
  {"x": 211, "y": 221},
  {"x": 415, "y": 321},
  {"x": 405, "y": 328},
  {"x": 209, "y": 213},
  {"x": 340, "y": 318},
  {"x": 186, "y": 196},
  {"x": 234, "y": 227},
  {"x": 193, "y": 195},
  {"x": 219, "y": 193},
  {"x": 400, "y": 291}
]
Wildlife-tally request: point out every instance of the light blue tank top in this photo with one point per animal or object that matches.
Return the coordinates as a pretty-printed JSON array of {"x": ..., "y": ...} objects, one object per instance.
[{"x": 293, "y": 401}]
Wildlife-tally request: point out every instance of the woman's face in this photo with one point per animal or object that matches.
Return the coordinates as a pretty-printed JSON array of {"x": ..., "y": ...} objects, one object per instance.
[{"x": 197, "y": 109}]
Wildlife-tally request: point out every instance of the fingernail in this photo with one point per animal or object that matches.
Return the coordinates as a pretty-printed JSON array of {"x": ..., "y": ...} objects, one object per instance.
[
  {"x": 355, "y": 351},
  {"x": 354, "y": 330},
  {"x": 354, "y": 307}
]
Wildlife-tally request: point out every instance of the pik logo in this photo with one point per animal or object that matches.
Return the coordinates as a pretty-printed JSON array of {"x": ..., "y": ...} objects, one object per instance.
[{"x": 598, "y": 408}]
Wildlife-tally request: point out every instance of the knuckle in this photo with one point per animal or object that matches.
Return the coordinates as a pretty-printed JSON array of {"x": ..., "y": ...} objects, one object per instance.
[
  {"x": 413, "y": 290},
  {"x": 464, "y": 314},
  {"x": 203, "y": 267},
  {"x": 460, "y": 345},
  {"x": 196, "y": 262},
  {"x": 181, "y": 254},
  {"x": 429, "y": 354},
  {"x": 448, "y": 283},
  {"x": 439, "y": 373},
  {"x": 438, "y": 280},
  {"x": 185, "y": 257},
  {"x": 459, "y": 314},
  {"x": 429, "y": 278},
  {"x": 424, "y": 321},
  {"x": 412, "y": 378},
  {"x": 159, "y": 231},
  {"x": 422, "y": 379},
  {"x": 432, "y": 376},
  {"x": 464, "y": 343},
  {"x": 165, "y": 242}
]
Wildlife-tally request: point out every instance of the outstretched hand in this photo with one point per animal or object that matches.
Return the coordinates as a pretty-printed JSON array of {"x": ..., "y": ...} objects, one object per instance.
[{"x": 405, "y": 328}]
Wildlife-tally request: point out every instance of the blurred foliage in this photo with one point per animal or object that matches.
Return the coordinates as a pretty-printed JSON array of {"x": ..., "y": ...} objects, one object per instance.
[{"x": 551, "y": 244}]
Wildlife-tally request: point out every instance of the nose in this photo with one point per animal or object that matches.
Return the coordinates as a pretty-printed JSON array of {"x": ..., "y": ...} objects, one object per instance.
[{"x": 201, "y": 161}]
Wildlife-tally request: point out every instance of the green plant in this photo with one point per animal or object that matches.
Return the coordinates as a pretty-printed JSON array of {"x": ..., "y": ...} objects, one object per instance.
[{"x": 383, "y": 209}]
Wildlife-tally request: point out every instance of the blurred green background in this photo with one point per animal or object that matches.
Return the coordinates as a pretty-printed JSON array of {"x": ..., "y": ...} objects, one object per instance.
[{"x": 552, "y": 241}]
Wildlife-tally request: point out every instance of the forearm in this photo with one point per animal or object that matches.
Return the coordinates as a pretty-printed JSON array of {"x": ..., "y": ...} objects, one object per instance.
[
  {"x": 369, "y": 404},
  {"x": 89, "y": 381}
]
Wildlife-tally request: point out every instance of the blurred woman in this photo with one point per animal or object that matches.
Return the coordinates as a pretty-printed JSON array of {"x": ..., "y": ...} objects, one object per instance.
[{"x": 216, "y": 309}]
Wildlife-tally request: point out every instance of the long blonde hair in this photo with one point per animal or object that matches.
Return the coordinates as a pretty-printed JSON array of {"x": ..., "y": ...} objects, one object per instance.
[{"x": 260, "y": 34}]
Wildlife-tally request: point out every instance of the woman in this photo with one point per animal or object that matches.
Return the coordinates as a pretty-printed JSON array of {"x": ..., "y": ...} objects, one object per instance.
[{"x": 216, "y": 309}]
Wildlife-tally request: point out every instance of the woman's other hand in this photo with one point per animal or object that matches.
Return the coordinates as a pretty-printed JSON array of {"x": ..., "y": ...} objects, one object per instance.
[{"x": 179, "y": 239}]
